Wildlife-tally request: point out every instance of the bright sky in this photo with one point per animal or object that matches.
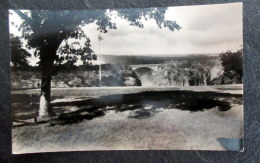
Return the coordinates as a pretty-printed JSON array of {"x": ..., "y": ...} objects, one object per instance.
[{"x": 205, "y": 29}]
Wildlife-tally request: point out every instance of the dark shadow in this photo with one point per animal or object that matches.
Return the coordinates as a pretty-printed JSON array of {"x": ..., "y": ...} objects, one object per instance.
[
  {"x": 78, "y": 116},
  {"x": 143, "y": 112},
  {"x": 24, "y": 106},
  {"x": 141, "y": 105}
]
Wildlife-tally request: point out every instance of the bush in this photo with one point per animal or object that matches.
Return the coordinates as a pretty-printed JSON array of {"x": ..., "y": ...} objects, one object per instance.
[
  {"x": 182, "y": 73},
  {"x": 232, "y": 66}
]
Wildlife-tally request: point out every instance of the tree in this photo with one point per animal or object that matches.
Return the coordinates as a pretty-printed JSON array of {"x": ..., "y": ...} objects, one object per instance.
[
  {"x": 181, "y": 73},
  {"x": 19, "y": 55},
  {"x": 198, "y": 74},
  {"x": 171, "y": 73},
  {"x": 45, "y": 31},
  {"x": 232, "y": 66}
]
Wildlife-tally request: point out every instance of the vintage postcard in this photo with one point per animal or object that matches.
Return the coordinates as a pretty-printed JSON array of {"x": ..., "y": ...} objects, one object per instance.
[{"x": 127, "y": 79}]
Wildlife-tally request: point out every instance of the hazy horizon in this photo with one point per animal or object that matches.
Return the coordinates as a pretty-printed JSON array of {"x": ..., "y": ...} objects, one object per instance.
[
  {"x": 163, "y": 55},
  {"x": 150, "y": 59}
]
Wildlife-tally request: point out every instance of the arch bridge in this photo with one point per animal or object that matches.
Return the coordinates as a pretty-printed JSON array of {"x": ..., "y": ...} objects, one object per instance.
[{"x": 151, "y": 66}]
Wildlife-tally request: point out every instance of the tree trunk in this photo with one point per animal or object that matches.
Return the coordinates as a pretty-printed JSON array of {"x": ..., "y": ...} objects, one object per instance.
[
  {"x": 45, "y": 107},
  {"x": 46, "y": 63},
  {"x": 48, "y": 54}
]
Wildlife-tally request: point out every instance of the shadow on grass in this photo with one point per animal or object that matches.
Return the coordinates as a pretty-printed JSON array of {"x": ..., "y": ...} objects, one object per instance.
[{"x": 142, "y": 105}]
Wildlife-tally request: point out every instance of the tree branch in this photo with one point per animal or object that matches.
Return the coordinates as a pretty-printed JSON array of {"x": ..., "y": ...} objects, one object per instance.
[{"x": 22, "y": 15}]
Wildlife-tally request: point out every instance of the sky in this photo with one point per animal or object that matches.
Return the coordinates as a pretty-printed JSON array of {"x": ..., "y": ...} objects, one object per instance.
[{"x": 204, "y": 29}]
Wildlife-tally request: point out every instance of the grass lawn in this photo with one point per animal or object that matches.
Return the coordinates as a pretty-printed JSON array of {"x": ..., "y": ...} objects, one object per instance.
[{"x": 196, "y": 118}]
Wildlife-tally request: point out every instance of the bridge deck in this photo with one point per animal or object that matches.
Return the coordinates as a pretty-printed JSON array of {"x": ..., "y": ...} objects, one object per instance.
[{"x": 151, "y": 66}]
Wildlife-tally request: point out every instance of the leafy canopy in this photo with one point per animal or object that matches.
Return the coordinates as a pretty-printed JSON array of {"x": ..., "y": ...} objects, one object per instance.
[
  {"x": 179, "y": 73},
  {"x": 19, "y": 55},
  {"x": 232, "y": 63}
]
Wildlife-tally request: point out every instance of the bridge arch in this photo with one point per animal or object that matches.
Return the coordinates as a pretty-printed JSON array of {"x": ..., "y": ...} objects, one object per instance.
[
  {"x": 150, "y": 66},
  {"x": 145, "y": 75},
  {"x": 143, "y": 70}
]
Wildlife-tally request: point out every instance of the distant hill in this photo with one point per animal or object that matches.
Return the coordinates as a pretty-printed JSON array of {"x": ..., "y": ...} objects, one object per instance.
[{"x": 144, "y": 59}]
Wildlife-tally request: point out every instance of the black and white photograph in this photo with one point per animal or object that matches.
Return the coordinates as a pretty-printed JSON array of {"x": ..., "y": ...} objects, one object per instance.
[{"x": 161, "y": 78}]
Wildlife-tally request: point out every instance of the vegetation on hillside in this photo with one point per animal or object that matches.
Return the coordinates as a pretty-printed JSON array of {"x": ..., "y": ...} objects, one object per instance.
[
  {"x": 195, "y": 73},
  {"x": 232, "y": 65},
  {"x": 185, "y": 73},
  {"x": 171, "y": 73},
  {"x": 81, "y": 76},
  {"x": 119, "y": 75}
]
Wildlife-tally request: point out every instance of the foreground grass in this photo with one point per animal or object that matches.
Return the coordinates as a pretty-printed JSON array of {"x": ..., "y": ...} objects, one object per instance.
[{"x": 148, "y": 120}]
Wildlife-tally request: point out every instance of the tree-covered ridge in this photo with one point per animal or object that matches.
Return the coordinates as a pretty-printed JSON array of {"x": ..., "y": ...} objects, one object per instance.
[{"x": 194, "y": 73}]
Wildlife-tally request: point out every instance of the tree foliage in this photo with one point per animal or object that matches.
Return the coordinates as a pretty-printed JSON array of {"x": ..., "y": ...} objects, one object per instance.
[
  {"x": 183, "y": 73},
  {"x": 232, "y": 66},
  {"x": 19, "y": 55}
]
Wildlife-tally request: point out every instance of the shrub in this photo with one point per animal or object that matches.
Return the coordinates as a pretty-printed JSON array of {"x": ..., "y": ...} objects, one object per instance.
[{"x": 232, "y": 66}]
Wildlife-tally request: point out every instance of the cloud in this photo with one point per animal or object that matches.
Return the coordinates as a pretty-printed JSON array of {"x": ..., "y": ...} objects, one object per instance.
[{"x": 205, "y": 29}]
